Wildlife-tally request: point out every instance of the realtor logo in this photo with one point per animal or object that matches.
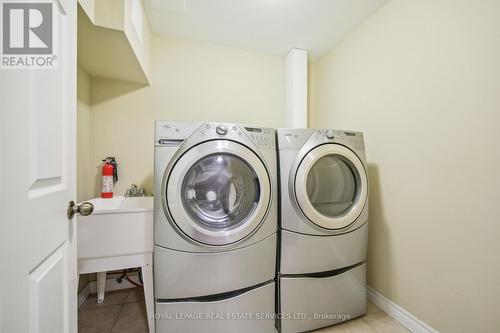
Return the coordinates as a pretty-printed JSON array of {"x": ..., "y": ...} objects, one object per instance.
[{"x": 28, "y": 34}]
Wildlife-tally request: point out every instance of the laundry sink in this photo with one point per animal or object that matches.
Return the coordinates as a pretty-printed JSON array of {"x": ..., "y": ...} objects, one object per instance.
[{"x": 118, "y": 226}]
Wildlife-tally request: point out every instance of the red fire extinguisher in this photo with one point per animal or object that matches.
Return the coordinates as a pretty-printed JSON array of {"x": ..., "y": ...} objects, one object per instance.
[{"x": 109, "y": 176}]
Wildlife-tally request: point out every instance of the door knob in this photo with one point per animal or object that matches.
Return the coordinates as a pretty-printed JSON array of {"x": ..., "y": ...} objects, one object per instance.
[{"x": 85, "y": 208}]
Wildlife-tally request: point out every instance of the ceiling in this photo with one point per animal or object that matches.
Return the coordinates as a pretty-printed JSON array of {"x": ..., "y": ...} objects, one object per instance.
[{"x": 273, "y": 26}]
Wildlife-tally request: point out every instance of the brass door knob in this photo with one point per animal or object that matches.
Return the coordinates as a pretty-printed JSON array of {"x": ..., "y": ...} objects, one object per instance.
[{"x": 85, "y": 208}]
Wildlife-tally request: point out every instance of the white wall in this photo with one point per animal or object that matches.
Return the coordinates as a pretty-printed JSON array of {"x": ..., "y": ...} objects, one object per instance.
[
  {"x": 421, "y": 79},
  {"x": 191, "y": 81}
]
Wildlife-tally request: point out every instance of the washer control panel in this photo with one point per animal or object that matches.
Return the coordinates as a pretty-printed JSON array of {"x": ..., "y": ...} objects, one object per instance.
[
  {"x": 264, "y": 138},
  {"x": 174, "y": 133}
]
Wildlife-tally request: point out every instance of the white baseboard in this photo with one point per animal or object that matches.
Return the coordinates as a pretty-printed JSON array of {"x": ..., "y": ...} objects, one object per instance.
[
  {"x": 111, "y": 285},
  {"x": 399, "y": 314}
]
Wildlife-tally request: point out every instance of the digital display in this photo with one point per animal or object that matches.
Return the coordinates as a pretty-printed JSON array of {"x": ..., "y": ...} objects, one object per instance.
[{"x": 252, "y": 129}]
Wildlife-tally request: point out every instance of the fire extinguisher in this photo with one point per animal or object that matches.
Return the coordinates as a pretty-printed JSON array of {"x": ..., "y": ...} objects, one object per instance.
[{"x": 109, "y": 176}]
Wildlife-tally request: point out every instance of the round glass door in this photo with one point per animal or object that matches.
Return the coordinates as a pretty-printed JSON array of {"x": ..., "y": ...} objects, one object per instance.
[
  {"x": 331, "y": 186},
  {"x": 218, "y": 192}
]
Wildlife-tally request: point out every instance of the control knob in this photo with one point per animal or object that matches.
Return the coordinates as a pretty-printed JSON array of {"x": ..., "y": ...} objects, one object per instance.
[
  {"x": 329, "y": 134},
  {"x": 221, "y": 130}
]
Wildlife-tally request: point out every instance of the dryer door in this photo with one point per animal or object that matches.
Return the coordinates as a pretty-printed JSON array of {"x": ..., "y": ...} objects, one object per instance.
[
  {"x": 331, "y": 186},
  {"x": 218, "y": 192}
]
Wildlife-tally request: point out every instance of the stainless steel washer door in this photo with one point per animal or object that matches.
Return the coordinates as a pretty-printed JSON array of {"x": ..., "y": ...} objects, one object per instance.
[
  {"x": 331, "y": 186},
  {"x": 218, "y": 192}
]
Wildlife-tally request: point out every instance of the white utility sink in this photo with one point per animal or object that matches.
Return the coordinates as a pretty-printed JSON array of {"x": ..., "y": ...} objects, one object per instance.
[
  {"x": 118, "y": 226},
  {"x": 118, "y": 235}
]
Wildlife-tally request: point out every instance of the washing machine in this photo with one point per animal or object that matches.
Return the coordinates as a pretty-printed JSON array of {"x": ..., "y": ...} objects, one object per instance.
[
  {"x": 215, "y": 227},
  {"x": 323, "y": 227}
]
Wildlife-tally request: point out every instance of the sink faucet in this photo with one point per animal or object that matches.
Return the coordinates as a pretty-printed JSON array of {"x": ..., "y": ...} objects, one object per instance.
[{"x": 135, "y": 191}]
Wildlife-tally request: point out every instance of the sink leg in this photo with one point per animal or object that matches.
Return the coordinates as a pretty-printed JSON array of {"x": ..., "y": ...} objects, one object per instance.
[
  {"x": 147, "y": 276},
  {"x": 101, "y": 285}
]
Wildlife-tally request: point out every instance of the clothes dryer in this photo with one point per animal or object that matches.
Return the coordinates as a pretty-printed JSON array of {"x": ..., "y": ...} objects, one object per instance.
[{"x": 323, "y": 227}]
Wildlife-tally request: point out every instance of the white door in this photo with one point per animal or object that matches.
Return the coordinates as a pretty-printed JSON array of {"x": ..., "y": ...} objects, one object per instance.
[
  {"x": 331, "y": 186},
  {"x": 38, "y": 277}
]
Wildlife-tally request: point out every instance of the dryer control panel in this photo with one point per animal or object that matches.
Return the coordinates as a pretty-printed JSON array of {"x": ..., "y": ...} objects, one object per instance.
[
  {"x": 353, "y": 139},
  {"x": 296, "y": 138}
]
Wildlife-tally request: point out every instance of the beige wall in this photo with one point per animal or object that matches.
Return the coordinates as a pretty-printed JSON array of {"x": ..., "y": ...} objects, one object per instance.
[
  {"x": 190, "y": 81},
  {"x": 421, "y": 79},
  {"x": 83, "y": 136}
]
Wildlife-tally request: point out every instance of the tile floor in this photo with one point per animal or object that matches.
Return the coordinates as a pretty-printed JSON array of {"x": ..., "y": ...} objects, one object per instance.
[
  {"x": 375, "y": 321},
  {"x": 124, "y": 311}
]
